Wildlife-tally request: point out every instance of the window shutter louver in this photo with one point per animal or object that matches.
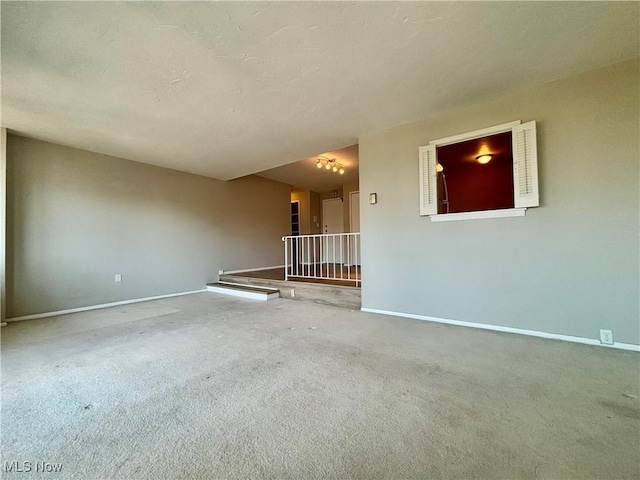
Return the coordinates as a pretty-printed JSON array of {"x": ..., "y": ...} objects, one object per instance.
[
  {"x": 428, "y": 180},
  {"x": 525, "y": 166}
]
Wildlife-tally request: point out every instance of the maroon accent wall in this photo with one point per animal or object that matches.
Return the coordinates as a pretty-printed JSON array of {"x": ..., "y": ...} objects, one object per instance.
[
  {"x": 472, "y": 186},
  {"x": 486, "y": 187}
]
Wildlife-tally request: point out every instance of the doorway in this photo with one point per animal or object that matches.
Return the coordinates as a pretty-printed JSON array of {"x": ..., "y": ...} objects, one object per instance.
[{"x": 295, "y": 217}]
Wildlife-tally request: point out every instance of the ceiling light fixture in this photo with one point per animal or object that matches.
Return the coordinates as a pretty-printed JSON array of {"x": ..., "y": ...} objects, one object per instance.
[
  {"x": 330, "y": 164},
  {"x": 484, "y": 159}
]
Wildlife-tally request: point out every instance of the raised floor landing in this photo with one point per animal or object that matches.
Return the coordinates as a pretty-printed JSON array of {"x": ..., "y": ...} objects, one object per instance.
[
  {"x": 338, "y": 294},
  {"x": 351, "y": 275}
]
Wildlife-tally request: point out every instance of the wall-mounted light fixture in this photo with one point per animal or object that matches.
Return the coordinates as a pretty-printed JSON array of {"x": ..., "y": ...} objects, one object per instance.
[
  {"x": 484, "y": 159},
  {"x": 330, "y": 164}
]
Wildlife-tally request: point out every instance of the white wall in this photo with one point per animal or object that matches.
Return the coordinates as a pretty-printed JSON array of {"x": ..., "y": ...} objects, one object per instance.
[
  {"x": 569, "y": 267},
  {"x": 77, "y": 218}
]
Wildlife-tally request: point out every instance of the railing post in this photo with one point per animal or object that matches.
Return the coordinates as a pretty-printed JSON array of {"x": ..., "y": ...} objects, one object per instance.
[
  {"x": 286, "y": 260},
  {"x": 357, "y": 259}
]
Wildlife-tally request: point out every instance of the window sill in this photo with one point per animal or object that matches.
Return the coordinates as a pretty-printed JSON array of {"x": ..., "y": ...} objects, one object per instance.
[{"x": 452, "y": 217}]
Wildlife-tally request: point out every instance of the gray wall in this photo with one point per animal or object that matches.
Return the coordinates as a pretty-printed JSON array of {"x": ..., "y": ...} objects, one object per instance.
[
  {"x": 315, "y": 210},
  {"x": 310, "y": 206},
  {"x": 347, "y": 188},
  {"x": 3, "y": 222},
  {"x": 569, "y": 267},
  {"x": 76, "y": 218}
]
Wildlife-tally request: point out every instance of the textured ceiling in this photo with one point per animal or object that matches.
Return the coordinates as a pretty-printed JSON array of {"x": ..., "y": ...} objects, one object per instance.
[
  {"x": 226, "y": 89},
  {"x": 305, "y": 174}
]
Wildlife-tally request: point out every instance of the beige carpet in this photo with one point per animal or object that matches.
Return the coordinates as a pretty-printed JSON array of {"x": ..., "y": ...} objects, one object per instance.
[{"x": 206, "y": 386}]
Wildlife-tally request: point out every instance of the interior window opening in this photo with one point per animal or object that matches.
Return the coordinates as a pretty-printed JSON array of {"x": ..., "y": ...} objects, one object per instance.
[{"x": 476, "y": 175}]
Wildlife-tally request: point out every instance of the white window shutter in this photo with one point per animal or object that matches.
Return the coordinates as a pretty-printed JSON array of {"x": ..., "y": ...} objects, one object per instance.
[
  {"x": 525, "y": 165},
  {"x": 428, "y": 181}
]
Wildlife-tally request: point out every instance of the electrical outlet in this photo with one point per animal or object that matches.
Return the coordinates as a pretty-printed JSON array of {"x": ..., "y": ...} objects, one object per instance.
[
  {"x": 118, "y": 277},
  {"x": 606, "y": 337},
  {"x": 293, "y": 293},
  {"x": 220, "y": 272}
]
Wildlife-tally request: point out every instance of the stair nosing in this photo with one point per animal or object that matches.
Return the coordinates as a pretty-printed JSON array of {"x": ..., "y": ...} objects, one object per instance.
[{"x": 246, "y": 288}]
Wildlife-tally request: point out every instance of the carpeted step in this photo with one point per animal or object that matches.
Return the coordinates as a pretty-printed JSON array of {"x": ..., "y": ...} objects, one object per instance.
[{"x": 244, "y": 291}]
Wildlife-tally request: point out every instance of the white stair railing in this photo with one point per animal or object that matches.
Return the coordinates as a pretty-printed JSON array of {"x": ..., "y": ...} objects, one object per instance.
[{"x": 328, "y": 256}]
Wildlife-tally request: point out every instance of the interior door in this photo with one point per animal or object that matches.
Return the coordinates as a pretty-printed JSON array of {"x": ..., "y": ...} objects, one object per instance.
[{"x": 332, "y": 222}]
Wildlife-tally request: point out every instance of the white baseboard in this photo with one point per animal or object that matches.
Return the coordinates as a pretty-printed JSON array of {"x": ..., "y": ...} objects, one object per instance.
[
  {"x": 224, "y": 272},
  {"x": 497, "y": 328},
  {"x": 96, "y": 307}
]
